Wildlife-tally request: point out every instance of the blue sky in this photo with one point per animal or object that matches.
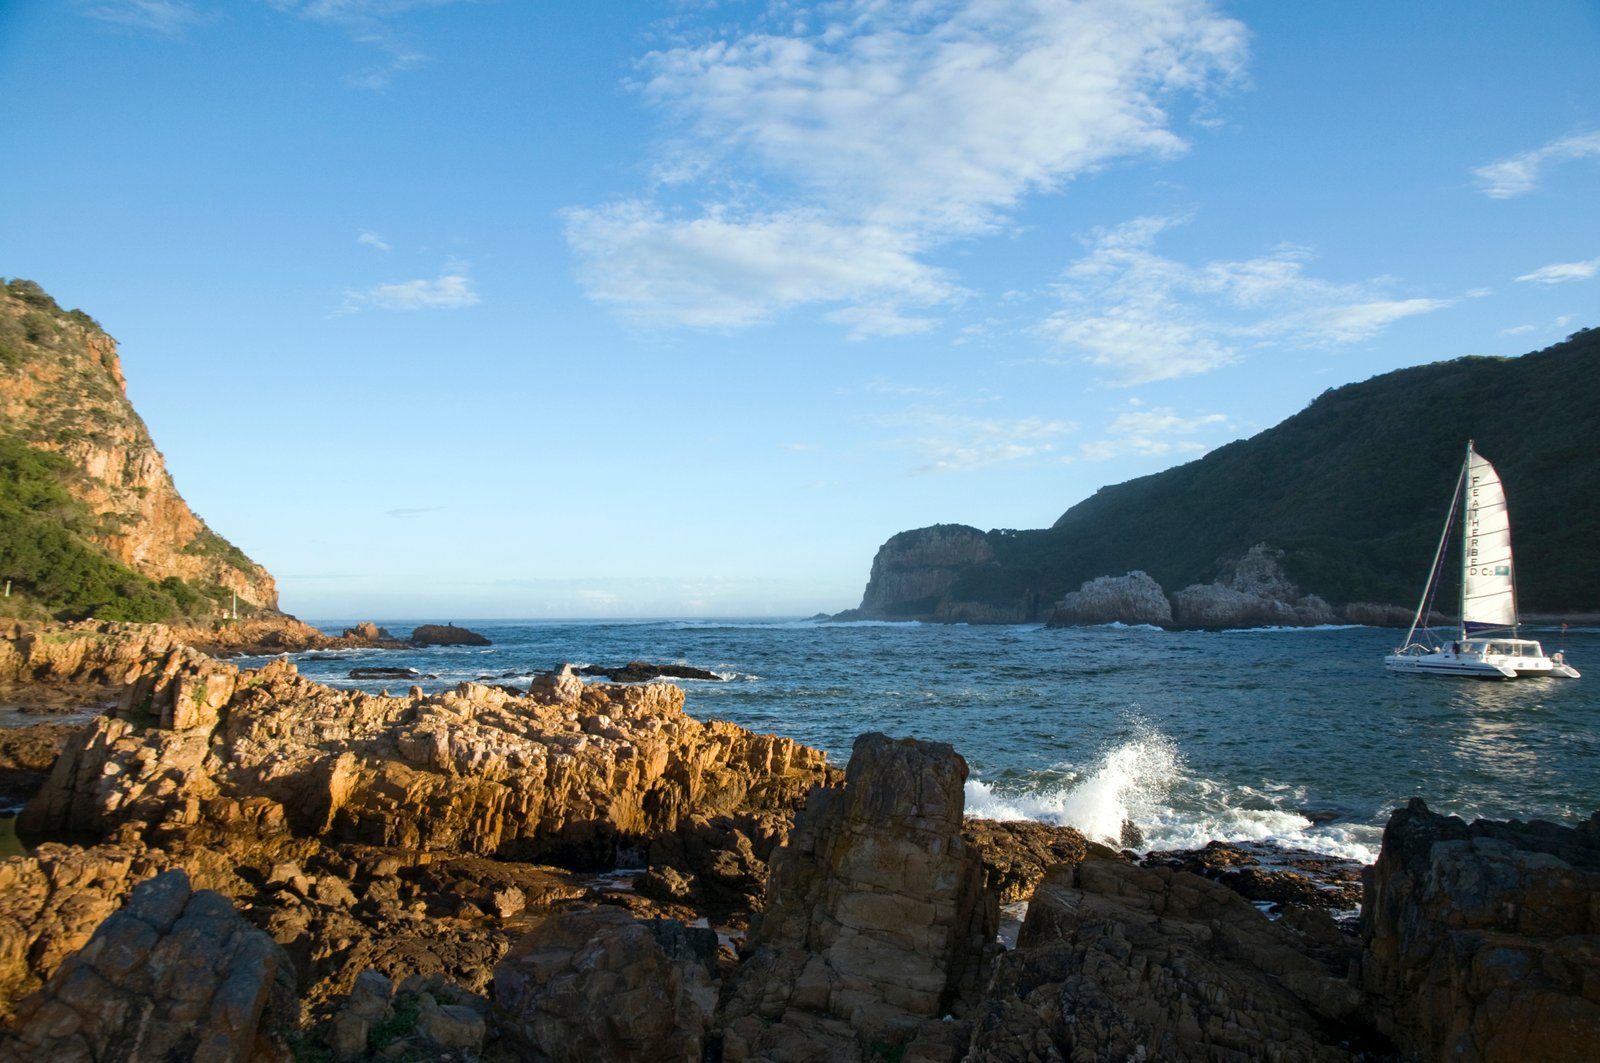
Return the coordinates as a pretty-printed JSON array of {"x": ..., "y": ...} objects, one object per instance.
[{"x": 466, "y": 308}]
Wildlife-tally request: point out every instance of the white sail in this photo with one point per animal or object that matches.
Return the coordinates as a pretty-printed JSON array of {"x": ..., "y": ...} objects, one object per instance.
[{"x": 1488, "y": 595}]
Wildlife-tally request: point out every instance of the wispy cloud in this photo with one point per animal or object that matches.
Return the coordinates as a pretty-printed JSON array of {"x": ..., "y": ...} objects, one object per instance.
[
  {"x": 1519, "y": 174},
  {"x": 371, "y": 239},
  {"x": 168, "y": 18},
  {"x": 955, "y": 443},
  {"x": 881, "y": 132},
  {"x": 1144, "y": 317},
  {"x": 372, "y": 24},
  {"x": 1151, "y": 433},
  {"x": 451, "y": 290},
  {"x": 1561, "y": 272}
]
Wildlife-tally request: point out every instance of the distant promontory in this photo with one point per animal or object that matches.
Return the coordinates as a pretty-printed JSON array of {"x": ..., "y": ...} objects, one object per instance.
[{"x": 1331, "y": 516}]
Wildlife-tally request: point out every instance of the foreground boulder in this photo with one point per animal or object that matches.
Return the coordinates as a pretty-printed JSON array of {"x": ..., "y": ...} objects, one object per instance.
[
  {"x": 1484, "y": 940},
  {"x": 1120, "y": 962},
  {"x": 877, "y": 922},
  {"x": 175, "y": 974}
]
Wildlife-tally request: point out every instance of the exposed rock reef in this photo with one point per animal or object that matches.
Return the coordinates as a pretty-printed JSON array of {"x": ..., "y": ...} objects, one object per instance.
[
  {"x": 281, "y": 868},
  {"x": 1131, "y": 599}
]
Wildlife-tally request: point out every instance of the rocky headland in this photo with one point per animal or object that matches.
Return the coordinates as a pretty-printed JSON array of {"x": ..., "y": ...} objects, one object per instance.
[{"x": 243, "y": 864}]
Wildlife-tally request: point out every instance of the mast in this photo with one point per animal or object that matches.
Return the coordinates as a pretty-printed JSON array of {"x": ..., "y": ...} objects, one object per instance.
[
  {"x": 1438, "y": 553},
  {"x": 1466, "y": 542}
]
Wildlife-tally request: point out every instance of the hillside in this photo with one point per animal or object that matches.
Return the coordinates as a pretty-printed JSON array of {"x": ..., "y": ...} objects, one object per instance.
[
  {"x": 1353, "y": 489},
  {"x": 90, "y": 521}
]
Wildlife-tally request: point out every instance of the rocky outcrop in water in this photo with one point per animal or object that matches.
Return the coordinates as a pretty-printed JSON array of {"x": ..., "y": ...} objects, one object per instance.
[
  {"x": 446, "y": 635},
  {"x": 1131, "y": 599},
  {"x": 1256, "y": 593},
  {"x": 1483, "y": 940}
]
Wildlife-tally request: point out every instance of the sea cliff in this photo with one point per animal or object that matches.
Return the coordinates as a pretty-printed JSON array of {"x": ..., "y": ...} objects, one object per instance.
[{"x": 242, "y": 864}]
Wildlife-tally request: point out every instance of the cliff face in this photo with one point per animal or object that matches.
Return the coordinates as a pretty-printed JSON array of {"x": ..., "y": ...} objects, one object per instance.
[
  {"x": 915, "y": 570},
  {"x": 62, "y": 393}
]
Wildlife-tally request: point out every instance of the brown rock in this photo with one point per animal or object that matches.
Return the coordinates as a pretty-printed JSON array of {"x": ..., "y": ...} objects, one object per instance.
[
  {"x": 1116, "y": 961},
  {"x": 876, "y": 917},
  {"x": 1484, "y": 940},
  {"x": 174, "y": 974},
  {"x": 597, "y": 984}
]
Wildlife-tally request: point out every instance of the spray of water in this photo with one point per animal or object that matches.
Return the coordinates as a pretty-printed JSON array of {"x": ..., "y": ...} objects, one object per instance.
[{"x": 1127, "y": 784}]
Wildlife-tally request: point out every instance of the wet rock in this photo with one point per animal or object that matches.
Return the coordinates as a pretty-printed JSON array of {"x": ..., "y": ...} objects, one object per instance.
[
  {"x": 446, "y": 635},
  {"x": 644, "y": 672}
]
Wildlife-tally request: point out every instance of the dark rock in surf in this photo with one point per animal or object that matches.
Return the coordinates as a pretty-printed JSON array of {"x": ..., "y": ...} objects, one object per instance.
[
  {"x": 644, "y": 672},
  {"x": 446, "y": 635}
]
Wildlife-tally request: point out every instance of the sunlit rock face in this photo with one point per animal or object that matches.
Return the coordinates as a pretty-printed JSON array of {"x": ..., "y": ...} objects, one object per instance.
[{"x": 913, "y": 572}]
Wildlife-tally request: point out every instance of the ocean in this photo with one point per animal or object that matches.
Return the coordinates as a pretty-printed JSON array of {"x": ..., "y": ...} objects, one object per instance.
[{"x": 1296, "y": 737}]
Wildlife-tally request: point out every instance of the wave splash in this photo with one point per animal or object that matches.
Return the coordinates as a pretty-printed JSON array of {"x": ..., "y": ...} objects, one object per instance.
[
  {"x": 1130, "y": 783},
  {"x": 1144, "y": 782}
]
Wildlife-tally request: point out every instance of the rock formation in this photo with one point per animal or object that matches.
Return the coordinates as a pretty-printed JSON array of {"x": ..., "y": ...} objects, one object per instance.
[
  {"x": 1131, "y": 599},
  {"x": 1483, "y": 941},
  {"x": 914, "y": 571},
  {"x": 175, "y": 974},
  {"x": 876, "y": 921},
  {"x": 1116, "y": 961},
  {"x": 1256, "y": 593},
  {"x": 446, "y": 635}
]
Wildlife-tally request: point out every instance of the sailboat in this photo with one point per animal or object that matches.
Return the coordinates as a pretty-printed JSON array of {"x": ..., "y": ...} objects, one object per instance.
[{"x": 1487, "y": 645}]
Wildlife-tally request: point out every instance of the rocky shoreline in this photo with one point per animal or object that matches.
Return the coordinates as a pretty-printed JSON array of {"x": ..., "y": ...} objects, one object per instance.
[{"x": 243, "y": 864}]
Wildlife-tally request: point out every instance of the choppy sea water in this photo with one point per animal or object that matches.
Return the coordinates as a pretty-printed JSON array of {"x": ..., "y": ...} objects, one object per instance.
[{"x": 1298, "y": 737}]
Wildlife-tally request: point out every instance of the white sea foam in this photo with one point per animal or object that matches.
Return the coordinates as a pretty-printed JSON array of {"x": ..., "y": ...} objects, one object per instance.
[{"x": 1143, "y": 781}]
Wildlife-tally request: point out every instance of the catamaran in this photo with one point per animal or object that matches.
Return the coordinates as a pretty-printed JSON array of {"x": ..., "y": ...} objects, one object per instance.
[{"x": 1487, "y": 645}]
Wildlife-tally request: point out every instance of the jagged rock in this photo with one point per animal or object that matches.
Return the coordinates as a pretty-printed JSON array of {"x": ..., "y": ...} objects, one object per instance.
[
  {"x": 876, "y": 920},
  {"x": 560, "y": 687},
  {"x": 1484, "y": 940},
  {"x": 1300, "y": 879},
  {"x": 368, "y": 631},
  {"x": 26, "y": 756},
  {"x": 1131, "y": 599},
  {"x": 1119, "y": 962},
  {"x": 598, "y": 984},
  {"x": 174, "y": 974},
  {"x": 1017, "y": 853},
  {"x": 472, "y": 770},
  {"x": 446, "y": 635},
  {"x": 1255, "y": 594}
]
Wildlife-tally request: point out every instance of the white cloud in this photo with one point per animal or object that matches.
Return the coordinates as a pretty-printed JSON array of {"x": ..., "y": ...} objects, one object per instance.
[
  {"x": 1561, "y": 272},
  {"x": 371, "y": 24},
  {"x": 1144, "y": 317},
  {"x": 1519, "y": 174},
  {"x": 371, "y": 239},
  {"x": 886, "y": 130},
  {"x": 451, "y": 290},
  {"x": 166, "y": 17},
  {"x": 1150, "y": 433},
  {"x": 953, "y": 443},
  {"x": 724, "y": 270}
]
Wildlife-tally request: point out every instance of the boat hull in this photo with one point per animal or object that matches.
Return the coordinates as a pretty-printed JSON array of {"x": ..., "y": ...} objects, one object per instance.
[{"x": 1476, "y": 663}]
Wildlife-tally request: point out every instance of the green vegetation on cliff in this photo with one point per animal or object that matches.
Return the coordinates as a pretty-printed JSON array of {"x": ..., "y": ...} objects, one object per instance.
[
  {"x": 1353, "y": 489},
  {"x": 62, "y": 414}
]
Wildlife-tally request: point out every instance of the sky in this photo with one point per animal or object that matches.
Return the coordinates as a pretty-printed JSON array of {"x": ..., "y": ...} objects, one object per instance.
[{"x": 464, "y": 309}]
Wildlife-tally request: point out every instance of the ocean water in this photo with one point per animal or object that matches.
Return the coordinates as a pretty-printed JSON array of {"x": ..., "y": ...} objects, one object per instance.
[{"x": 1293, "y": 736}]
